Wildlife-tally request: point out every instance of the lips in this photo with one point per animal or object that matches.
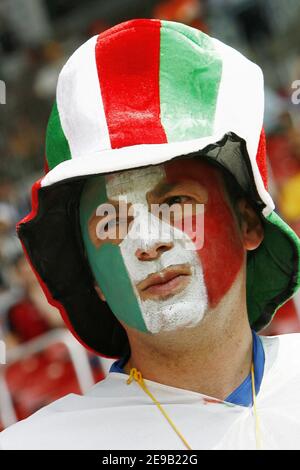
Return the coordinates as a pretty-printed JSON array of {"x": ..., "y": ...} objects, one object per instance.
[{"x": 165, "y": 283}]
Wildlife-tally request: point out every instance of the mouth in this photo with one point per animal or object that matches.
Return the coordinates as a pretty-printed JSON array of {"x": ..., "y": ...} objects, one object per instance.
[{"x": 165, "y": 283}]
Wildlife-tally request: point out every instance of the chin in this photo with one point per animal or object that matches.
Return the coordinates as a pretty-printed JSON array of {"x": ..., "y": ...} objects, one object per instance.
[{"x": 175, "y": 317}]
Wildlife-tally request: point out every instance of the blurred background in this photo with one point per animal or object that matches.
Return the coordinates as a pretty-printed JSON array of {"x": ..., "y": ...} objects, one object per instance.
[{"x": 36, "y": 37}]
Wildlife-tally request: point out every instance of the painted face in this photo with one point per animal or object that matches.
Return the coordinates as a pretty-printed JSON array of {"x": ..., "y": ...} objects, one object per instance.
[{"x": 152, "y": 273}]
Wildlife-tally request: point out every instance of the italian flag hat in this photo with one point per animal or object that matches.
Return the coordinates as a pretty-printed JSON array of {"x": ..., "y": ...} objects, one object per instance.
[{"x": 139, "y": 94}]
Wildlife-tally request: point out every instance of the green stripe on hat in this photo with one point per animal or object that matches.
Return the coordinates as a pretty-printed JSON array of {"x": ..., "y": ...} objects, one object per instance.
[
  {"x": 188, "y": 101},
  {"x": 57, "y": 147}
]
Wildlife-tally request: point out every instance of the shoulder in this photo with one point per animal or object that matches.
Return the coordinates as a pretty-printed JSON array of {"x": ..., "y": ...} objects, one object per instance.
[
  {"x": 70, "y": 421},
  {"x": 282, "y": 355},
  {"x": 282, "y": 346},
  {"x": 26, "y": 433}
]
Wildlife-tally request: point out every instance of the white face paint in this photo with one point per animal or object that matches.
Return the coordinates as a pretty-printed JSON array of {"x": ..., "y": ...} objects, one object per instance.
[{"x": 185, "y": 308}]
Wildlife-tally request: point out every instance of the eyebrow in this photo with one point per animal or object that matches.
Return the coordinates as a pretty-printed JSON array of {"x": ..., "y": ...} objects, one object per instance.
[
  {"x": 113, "y": 203},
  {"x": 163, "y": 188}
]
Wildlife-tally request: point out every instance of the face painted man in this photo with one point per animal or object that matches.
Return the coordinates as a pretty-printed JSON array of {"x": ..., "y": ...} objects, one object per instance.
[
  {"x": 165, "y": 280},
  {"x": 154, "y": 234}
]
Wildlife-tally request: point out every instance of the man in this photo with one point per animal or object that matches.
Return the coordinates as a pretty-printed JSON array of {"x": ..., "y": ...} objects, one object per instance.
[{"x": 153, "y": 118}]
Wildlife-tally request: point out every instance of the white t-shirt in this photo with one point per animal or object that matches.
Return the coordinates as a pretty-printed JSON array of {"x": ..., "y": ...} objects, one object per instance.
[{"x": 114, "y": 415}]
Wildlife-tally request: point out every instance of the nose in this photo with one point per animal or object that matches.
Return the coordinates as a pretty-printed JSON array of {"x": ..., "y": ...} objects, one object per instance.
[{"x": 154, "y": 251}]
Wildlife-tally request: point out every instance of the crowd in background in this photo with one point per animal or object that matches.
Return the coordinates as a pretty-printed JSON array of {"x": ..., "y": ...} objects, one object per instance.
[{"x": 34, "y": 44}]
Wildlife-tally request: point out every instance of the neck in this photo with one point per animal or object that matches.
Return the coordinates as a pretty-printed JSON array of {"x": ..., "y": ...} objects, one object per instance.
[{"x": 212, "y": 358}]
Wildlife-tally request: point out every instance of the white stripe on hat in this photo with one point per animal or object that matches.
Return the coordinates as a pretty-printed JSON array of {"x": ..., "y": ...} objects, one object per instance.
[
  {"x": 80, "y": 105},
  {"x": 240, "y": 107}
]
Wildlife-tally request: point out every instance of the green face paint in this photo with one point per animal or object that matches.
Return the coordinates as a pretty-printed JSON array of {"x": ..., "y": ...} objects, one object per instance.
[{"x": 106, "y": 261}]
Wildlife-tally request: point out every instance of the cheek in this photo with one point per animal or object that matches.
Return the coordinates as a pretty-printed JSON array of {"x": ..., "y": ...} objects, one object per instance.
[
  {"x": 219, "y": 246},
  {"x": 193, "y": 226},
  {"x": 222, "y": 253},
  {"x": 112, "y": 276}
]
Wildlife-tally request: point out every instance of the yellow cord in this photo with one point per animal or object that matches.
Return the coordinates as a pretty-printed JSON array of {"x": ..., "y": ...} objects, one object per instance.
[
  {"x": 257, "y": 422},
  {"x": 137, "y": 376}
]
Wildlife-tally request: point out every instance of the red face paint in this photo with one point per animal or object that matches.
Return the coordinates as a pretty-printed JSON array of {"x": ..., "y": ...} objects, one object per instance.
[{"x": 222, "y": 252}]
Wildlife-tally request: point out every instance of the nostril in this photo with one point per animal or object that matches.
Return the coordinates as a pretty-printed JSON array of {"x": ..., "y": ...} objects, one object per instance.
[
  {"x": 154, "y": 252},
  {"x": 165, "y": 247},
  {"x": 144, "y": 255}
]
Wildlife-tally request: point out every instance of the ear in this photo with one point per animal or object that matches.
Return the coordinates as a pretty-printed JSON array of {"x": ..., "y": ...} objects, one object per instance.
[
  {"x": 100, "y": 293},
  {"x": 251, "y": 226}
]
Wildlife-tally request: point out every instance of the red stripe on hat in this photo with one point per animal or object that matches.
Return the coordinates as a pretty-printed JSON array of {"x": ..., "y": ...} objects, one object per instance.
[
  {"x": 127, "y": 58},
  {"x": 46, "y": 166},
  {"x": 261, "y": 158}
]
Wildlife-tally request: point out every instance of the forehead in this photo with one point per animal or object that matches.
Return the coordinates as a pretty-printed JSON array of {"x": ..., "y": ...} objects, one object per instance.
[
  {"x": 146, "y": 179},
  {"x": 138, "y": 180}
]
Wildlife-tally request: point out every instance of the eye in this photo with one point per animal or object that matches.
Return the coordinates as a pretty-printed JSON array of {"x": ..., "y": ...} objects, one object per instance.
[
  {"x": 177, "y": 200},
  {"x": 110, "y": 224},
  {"x": 113, "y": 228},
  {"x": 105, "y": 228}
]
